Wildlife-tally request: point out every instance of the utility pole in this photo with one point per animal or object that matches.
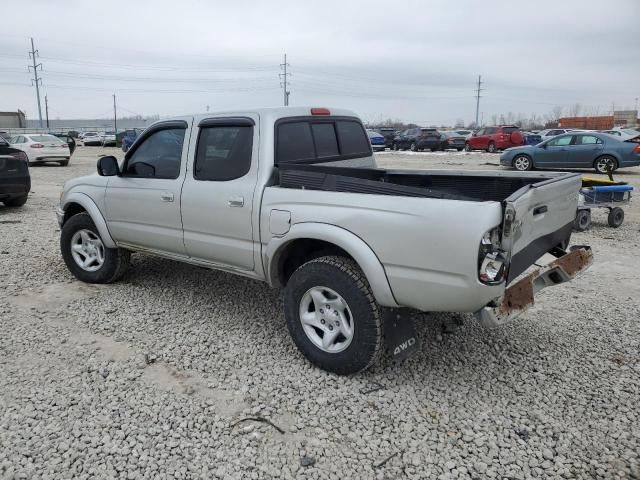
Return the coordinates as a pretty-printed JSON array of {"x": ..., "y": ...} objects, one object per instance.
[
  {"x": 37, "y": 81},
  {"x": 115, "y": 116},
  {"x": 46, "y": 109},
  {"x": 478, "y": 90},
  {"x": 284, "y": 81}
]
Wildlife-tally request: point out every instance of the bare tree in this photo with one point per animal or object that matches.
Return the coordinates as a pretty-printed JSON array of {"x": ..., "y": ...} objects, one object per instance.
[
  {"x": 502, "y": 120},
  {"x": 459, "y": 123},
  {"x": 556, "y": 113},
  {"x": 574, "y": 110},
  {"x": 494, "y": 119}
]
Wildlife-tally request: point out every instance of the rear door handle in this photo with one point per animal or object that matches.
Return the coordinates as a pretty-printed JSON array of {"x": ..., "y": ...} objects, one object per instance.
[
  {"x": 236, "y": 202},
  {"x": 540, "y": 210},
  {"x": 166, "y": 196}
]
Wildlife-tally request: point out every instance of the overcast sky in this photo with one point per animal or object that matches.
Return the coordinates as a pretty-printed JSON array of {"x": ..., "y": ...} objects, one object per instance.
[{"x": 417, "y": 61}]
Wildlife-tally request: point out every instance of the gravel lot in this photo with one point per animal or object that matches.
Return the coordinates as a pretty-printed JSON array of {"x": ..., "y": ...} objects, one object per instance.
[{"x": 158, "y": 375}]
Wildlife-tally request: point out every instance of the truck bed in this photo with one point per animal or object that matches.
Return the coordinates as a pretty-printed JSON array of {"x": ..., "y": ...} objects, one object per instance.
[{"x": 478, "y": 186}]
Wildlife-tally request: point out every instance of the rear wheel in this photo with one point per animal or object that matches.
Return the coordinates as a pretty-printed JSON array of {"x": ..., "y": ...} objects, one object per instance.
[
  {"x": 582, "y": 221},
  {"x": 491, "y": 148},
  {"x": 86, "y": 255},
  {"x": 396, "y": 147},
  {"x": 332, "y": 315},
  {"x": 16, "y": 202},
  {"x": 64, "y": 163},
  {"x": 605, "y": 164},
  {"x": 459, "y": 149},
  {"x": 522, "y": 163},
  {"x": 413, "y": 147},
  {"x": 616, "y": 217}
]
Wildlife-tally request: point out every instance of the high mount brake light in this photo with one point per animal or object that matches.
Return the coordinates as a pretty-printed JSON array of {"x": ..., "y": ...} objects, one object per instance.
[{"x": 320, "y": 111}]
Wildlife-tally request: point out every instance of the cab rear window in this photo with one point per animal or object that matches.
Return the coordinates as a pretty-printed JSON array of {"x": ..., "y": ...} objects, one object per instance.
[{"x": 308, "y": 140}]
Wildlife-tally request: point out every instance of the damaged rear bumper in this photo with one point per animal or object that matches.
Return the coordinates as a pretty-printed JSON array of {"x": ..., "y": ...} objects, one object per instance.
[{"x": 519, "y": 297}]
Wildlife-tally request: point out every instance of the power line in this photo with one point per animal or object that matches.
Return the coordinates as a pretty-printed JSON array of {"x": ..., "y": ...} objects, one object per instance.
[
  {"x": 478, "y": 90},
  {"x": 284, "y": 81},
  {"x": 36, "y": 81}
]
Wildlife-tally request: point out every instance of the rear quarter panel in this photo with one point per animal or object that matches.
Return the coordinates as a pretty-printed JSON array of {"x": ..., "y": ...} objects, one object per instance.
[{"x": 428, "y": 247}]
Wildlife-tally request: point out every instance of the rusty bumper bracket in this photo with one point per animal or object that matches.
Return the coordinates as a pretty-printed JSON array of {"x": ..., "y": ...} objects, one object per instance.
[{"x": 519, "y": 297}]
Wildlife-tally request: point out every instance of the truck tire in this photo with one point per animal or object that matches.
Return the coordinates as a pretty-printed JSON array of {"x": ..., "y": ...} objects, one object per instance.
[
  {"x": 86, "y": 256},
  {"x": 616, "y": 217},
  {"x": 332, "y": 315},
  {"x": 16, "y": 202},
  {"x": 582, "y": 221}
]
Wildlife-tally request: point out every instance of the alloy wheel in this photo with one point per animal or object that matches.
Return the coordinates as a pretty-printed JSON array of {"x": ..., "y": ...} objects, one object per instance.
[{"x": 326, "y": 319}]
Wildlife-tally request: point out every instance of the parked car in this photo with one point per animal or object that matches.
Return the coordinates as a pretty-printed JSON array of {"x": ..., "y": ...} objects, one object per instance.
[
  {"x": 68, "y": 139},
  {"x": 108, "y": 139},
  {"x": 42, "y": 148},
  {"x": 495, "y": 138},
  {"x": 91, "y": 138},
  {"x": 416, "y": 139},
  {"x": 531, "y": 138},
  {"x": 5, "y": 135},
  {"x": 345, "y": 240},
  {"x": 575, "y": 150},
  {"x": 552, "y": 132},
  {"x": 453, "y": 140},
  {"x": 377, "y": 141},
  {"x": 623, "y": 133},
  {"x": 465, "y": 133},
  {"x": 389, "y": 134},
  {"x": 128, "y": 137},
  {"x": 15, "y": 181}
]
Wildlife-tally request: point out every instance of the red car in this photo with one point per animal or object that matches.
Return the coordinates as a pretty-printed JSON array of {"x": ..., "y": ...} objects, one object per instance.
[{"x": 493, "y": 139}]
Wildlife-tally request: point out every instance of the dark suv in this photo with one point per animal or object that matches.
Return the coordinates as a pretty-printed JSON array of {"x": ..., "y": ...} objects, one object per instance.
[
  {"x": 495, "y": 138},
  {"x": 15, "y": 181},
  {"x": 416, "y": 139}
]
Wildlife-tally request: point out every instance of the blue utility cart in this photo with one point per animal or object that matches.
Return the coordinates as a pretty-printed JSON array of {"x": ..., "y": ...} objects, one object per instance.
[{"x": 601, "y": 194}]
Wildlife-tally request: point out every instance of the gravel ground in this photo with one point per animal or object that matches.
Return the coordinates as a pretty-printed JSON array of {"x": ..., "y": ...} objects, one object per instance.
[{"x": 180, "y": 372}]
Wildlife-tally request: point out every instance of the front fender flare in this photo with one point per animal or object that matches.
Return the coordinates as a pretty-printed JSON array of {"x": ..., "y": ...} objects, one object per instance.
[
  {"x": 349, "y": 242},
  {"x": 94, "y": 212}
]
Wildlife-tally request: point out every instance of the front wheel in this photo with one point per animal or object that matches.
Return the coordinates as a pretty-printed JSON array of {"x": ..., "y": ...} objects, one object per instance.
[
  {"x": 86, "y": 255},
  {"x": 332, "y": 315},
  {"x": 395, "y": 147},
  {"x": 606, "y": 164},
  {"x": 413, "y": 147},
  {"x": 467, "y": 147},
  {"x": 491, "y": 148},
  {"x": 64, "y": 163},
  {"x": 522, "y": 163}
]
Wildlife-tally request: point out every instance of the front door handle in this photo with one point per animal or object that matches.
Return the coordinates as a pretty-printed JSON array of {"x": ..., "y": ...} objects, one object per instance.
[
  {"x": 236, "y": 202},
  {"x": 166, "y": 196}
]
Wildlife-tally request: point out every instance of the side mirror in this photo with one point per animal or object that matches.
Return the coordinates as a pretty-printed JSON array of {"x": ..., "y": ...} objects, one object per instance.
[
  {"x": 543, "y": 145},
  {"x": 108, "y": 166}
]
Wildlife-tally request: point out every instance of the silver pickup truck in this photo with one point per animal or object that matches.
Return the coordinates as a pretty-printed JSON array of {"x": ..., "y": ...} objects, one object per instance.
[{"x": 292, "y": 196}]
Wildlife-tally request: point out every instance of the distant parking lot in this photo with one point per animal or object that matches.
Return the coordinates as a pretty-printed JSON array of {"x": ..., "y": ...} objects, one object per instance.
[{"x": 181, "y": 372}]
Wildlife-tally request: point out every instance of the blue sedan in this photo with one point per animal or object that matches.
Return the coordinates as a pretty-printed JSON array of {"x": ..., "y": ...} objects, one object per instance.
[{"x": 574, "y": 150}]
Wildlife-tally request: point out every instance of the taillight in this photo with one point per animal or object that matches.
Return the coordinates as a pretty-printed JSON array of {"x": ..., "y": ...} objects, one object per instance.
[
  {"x": 492, "y": 262},
  {"x": 637, "y": 149},
  {"x": 320, "y": 111},
  {"x": 20, "y": 156},
  {"x": 36, "y": 145}
]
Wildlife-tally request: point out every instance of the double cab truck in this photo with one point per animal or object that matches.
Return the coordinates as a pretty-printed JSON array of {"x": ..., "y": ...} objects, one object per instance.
[{"x": 292, "y": 196}]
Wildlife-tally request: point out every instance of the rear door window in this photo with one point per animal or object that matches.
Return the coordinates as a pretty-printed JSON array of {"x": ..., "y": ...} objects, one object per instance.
[
  {"x": 223, "y": 152},
  {"x": 587, "y": 140}
]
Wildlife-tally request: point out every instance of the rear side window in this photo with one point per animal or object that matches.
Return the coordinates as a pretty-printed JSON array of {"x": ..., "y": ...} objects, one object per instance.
[
  {"x": 587, "y": 140},
  {"x": 324, "y": 135},
  {"x": 490, "y": 130},
  {"x": 509, "y": 130},
  {"x": 223, "y": 153},
  {"x": 295, "y": 142},
  {"x": 352, "y": 138}
]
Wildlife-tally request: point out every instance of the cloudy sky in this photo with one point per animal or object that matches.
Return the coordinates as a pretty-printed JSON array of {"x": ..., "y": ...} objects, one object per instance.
[{"x": 416, "y": 61}]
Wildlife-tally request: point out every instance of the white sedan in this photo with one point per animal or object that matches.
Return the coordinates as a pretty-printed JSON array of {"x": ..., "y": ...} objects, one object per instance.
[{"x": 42, "y": 148}]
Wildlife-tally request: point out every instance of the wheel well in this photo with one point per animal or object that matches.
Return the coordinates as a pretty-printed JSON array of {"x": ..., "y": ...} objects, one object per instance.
[
  {"x": 301, "y": 251},
  {"x": 71, "y": 210},
  {"x": 606, "y": 155}
]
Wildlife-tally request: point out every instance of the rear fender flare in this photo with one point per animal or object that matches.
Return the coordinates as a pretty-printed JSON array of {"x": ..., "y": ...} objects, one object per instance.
[
  {"x": 349, "y": 242},
  {"x": 94, "y": 212}
]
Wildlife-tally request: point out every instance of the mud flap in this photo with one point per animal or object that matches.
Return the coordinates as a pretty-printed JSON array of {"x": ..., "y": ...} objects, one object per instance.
[{"x": 400, "y": 336}]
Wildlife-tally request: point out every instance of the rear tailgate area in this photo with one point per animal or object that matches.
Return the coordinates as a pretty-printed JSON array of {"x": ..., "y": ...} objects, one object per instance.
[{"x": 537, "y": 218}]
